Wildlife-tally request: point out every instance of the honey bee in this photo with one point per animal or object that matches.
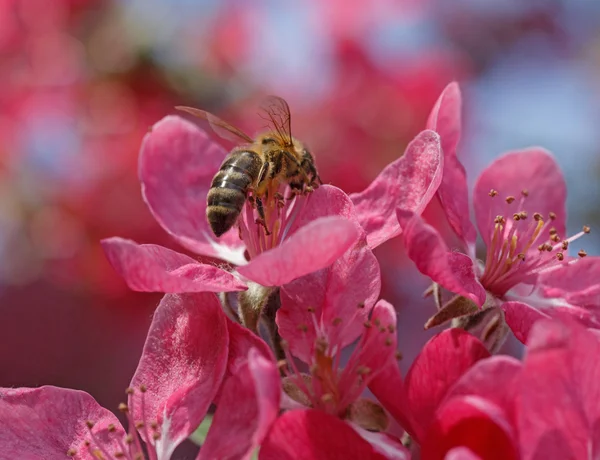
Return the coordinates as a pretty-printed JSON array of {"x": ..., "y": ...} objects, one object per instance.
[{"x": 258, "y": 166}]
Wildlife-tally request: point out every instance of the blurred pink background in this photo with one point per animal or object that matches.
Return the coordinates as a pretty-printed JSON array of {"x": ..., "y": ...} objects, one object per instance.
[{"x": 82, "y": 80}]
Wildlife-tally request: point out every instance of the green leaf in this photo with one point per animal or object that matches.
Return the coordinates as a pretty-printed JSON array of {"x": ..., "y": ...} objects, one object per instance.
[{"x": 199, "y": 436}]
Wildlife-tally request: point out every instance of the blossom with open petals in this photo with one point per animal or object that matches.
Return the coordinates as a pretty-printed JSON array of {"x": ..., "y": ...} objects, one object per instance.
[
  {"x": 177, "y": 163},
  {"x": 320, "y": 315},
  {"x": 193, "y": 356},
  {"x": 545, "y": 407},
  {"x": 519, "y": 203},
  {"x": 413, "y": 401}
]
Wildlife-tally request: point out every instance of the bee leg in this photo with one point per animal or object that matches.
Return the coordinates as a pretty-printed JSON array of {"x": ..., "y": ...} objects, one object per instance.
[
  {"x": 262, "y": 219},
  {"x": 279, "y": 198}
]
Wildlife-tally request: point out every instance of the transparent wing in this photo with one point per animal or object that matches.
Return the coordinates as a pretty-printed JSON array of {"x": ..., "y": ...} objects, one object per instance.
[
  {"x": 278, "y": 115},
  {"x": 222, "y": 128}
]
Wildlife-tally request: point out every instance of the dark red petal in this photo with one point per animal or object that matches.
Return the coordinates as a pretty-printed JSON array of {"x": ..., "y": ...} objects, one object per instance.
[
  {"x": 443, "y": 360},
  {"x": 409, "y": 183},
  {"x": 152, "y": 268},
  {"x": 445, "y": 119},
  {"x": 248, "y": 405},
  {"x": 389, "y": 389},
  {"x": 182, "y": 366},
  {"x": 474, "y": 423},
  {"x": 558, "y": 410},
  {"x": 314, "y": 435},
  {"x": 495, "y": 379},
  {"x": 43, "y": 423},
  {"x": 177, "y": 163}
]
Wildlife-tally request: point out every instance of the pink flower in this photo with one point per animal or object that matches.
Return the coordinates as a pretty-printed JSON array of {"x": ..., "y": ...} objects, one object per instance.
[
  {"x": 177, "y": 163},
  {"x": 413, "y": 402},
  {"x": 519, "y": 203},
  {"x": 320, "y": 315},
  {"x": 193, "y": 356},
  {"x": 316, "y": 436},
  {"x": 545, "y": 407}
]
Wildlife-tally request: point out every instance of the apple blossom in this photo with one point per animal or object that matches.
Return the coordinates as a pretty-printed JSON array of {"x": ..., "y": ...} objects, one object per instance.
[
  {"x": 193, "y": 356},
  {"x": 519, "y": 203}
]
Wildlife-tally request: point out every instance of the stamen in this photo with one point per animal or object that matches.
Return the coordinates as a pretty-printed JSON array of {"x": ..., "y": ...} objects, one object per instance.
[
  {"x": 582, "y": 253},
  {"x": 493, "y": 193},
  {"x": 510, "y": 199}
]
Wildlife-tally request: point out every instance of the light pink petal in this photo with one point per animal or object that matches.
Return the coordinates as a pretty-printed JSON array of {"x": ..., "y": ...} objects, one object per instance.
[
  {"x": 409, "y": 183},
  {"x": 445, "y": 119},
  {"x": 375, "y": 350},
  {"x": 384, "y": 443},
  {"x": 177, "y": 163},
  {"x": 495, "y": 379},
  {"x": 533, "y": 169},
  {"x": 46, "y": 422},
  {"x": 247, "y": 407},
  {"x": 461, "y": 453},
  {"x": 520, "y": 317},
  {"x": 314, "y": 435},
  {"x": 341, "y": 296},
  {"x": 451, "y": 270},
  {"x": 326, "y": 201},
  {"x": 473, "y": 423},
  {"x": 313, "y": 247},
  {"x": 578, "y": 282},
  {"x": 153, "y": 268},
  {"x": 443, "y": 360},
  {"x": 182, "y": 365},
  {"x": 558, "y": 408}
]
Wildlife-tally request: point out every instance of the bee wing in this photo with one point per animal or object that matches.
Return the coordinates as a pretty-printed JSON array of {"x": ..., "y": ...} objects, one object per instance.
[
  {"x": 279, "y": 117},
  {"x": 222, "y": 128}
]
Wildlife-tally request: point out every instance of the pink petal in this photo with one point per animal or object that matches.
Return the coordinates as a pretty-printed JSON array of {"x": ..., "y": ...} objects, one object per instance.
[
  {"x": 475, "y": 424},
  {"x": 461, "y": 453},
  {"x": 341, "y": 296},
  {"x": 558, "y": 411},
  {"x": 314, "y": 435},
  {"x": 177, "y": 163},
  {"x": 443, "y": 360},
  {"x": 577, "y": 282},
  {"x": 182, "y": 365},
  {"x": 445, "y": 119},
  {"x": 42, "y": 423},
  {"x": 375, "y": 350},
  {"x": 313, "y": 247},
  {"x": 520, "y": 317},
  {"x": 533, "y": 169},
  {"x": 241, "y": 341},
  {"x": 385, "y": 444},
  {"x": 409, "y": 182},
  {"x": 248, "y": 406},
  {"x": 152, "y": 268},
  {"x": 390, "y": 391},
  {"x": 325, "y": 201},
  {"x": 451, "y": 270},
  {"x": 495, "y": 379}
]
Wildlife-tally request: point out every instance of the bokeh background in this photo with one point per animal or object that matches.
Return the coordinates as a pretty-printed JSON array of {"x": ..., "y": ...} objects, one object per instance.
[{"x": 82, "y": 80}]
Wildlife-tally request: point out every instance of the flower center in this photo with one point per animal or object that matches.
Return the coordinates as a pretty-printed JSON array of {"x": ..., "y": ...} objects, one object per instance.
[
  {"x": 130, "y": 445},
  {"x": 523, "y": 245},
  {"x": 329, "y": 386},
  {"x": 265, "y": 222}
]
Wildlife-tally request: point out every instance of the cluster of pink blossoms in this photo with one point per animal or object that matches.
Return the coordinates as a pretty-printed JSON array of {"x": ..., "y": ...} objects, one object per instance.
[{"x": 315, "y": 285}]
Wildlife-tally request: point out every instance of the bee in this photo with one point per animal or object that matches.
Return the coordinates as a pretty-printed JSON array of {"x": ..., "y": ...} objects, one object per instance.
[{"x": 258, "y": 166}]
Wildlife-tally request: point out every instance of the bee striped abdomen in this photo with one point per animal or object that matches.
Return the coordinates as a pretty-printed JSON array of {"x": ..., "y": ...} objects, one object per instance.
[{"x": 229, "y": 189}]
